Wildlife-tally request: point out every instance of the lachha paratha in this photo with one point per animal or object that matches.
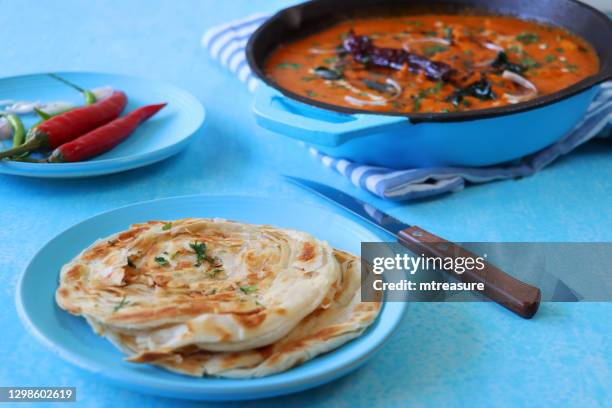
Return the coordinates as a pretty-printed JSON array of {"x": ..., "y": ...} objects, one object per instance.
[
  {"x": 325, "y": 329},
  {"x": 214, "y": 284}
]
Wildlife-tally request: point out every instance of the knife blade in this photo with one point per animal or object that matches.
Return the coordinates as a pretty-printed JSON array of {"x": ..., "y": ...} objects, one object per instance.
[
  {"x": 374, "y": 216},
  {"x": 515, "y": 295}
]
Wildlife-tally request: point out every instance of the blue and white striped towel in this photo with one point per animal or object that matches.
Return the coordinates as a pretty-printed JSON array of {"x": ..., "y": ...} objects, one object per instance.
[{"x": 226, "y": 44}]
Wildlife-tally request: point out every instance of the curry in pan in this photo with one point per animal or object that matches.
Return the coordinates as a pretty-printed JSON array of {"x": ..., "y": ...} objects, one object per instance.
[{"x": 432, "y": 63}]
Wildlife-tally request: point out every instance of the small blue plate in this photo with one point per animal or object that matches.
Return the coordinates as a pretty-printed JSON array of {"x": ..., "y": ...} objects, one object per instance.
[
  {"x": 71, "y": 338},
  {"x": 162, "y": 136}
]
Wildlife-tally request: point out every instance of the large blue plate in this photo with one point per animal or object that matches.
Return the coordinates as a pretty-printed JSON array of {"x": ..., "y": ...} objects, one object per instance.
[
  {"x": 160, "y": 137},
  {"x": 73, "y": 340}
]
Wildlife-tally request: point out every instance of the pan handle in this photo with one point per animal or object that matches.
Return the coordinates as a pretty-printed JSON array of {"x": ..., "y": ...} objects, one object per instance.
[
  {"x": 513, "y": 294},
  {"x": 278, "y": 113}
]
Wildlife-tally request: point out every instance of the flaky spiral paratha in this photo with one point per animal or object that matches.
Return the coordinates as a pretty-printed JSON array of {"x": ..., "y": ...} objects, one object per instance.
[
  {"x": 211, "y": 283},
  {"x": 325, "y": 329}
]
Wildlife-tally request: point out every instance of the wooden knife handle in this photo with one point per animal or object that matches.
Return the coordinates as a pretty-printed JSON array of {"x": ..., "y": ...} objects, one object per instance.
[{"x": 519, "y": 297}]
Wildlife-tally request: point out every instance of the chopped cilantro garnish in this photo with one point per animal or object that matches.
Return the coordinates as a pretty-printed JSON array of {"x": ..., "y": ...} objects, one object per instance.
[
  {"x": 416, "y": 105},
  {"x": 515, "y": 49},
  {"x": 248, "y": 289},
  {"x": 167, "y": 226},
  {"x": 161, "y": 261},
  {"x": 330, "y": 60},
  {"x": 448, "y": 33},
  {"x": 288, "y": 65},
  {"x": 571, "y": 67},
  {"x": 436, "y": 88},
  {"x": 530, "y": 62},
  {"x": 121, "y": 304},
  {"x": 528, "y": 38},
  {"x": 417, "y": 99},
  {"x": 397, "y": 105},
  {"x": 310, "y": 93},
  {"x": 433, "y": 49},
  {"x": 550, "y": 58},
  {"x": 200, "y": 249}
]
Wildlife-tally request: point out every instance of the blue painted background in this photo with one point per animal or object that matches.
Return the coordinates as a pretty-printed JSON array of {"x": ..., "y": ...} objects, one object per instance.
[{"x": 444, "y": 354}]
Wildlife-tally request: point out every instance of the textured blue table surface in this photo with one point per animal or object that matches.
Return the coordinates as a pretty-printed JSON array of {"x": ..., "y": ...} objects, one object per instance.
[{"x": 443, "y": 354}]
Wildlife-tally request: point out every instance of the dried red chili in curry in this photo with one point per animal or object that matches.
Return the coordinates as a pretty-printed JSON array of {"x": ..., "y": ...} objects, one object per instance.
[{"x": 432, "y": 63}]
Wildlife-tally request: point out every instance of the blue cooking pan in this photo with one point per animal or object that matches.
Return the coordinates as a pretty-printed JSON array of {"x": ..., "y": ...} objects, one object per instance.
[{"x": 397, "y": 140}]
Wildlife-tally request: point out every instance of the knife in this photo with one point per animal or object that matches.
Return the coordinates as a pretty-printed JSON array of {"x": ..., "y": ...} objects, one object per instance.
[{"x": 513, "y": 294}]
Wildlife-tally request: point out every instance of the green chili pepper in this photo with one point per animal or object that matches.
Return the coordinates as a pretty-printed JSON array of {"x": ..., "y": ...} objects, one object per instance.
[
  {"x": 46, "y": 116},
  {"x": 19, "y": 132},
  {"x": 42, "y": 115},
  {"x": 90, "y": 97}
]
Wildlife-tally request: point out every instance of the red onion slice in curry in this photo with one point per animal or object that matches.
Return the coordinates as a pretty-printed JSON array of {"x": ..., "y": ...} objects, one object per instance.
[{"x": 532, "y": 90}]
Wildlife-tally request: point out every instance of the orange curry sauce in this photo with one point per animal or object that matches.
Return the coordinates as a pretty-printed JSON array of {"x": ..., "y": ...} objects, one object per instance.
[{"x": 549, "y": 58}]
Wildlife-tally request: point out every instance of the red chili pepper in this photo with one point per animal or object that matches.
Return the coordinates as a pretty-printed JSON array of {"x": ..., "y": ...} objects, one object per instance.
[
  {"x": 104, "y": 138},
  {"x": 68, "y": 126}
]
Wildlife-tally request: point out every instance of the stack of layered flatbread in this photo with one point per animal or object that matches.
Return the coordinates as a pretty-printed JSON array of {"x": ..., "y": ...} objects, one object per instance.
[{"x": 216, "y": 297}]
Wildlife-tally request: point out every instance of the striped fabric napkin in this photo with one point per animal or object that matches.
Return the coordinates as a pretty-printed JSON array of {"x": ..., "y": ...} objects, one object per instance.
[{"x": 226, "y": 44}]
